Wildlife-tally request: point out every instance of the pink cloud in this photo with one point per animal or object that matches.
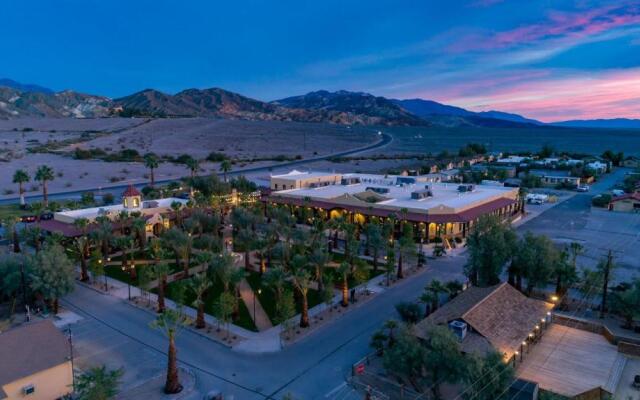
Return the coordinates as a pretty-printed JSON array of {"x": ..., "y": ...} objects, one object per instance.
[
  {"x": 587, "y": 95},
  {"x": 557, "y": 26}
]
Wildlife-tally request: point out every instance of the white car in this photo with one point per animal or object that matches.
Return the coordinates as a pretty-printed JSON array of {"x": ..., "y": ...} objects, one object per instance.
[{"x": 583, "y": 188}]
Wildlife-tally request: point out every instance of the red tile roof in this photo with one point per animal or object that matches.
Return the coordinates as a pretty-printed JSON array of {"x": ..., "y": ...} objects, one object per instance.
[
  {"x": 131, "y": 191},
  {"x": 464, "y": 216},
  {"x": 633, "y": 196}
]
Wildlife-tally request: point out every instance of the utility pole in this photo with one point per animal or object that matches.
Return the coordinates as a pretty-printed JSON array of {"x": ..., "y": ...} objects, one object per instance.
[{"x": 605, "y": 284}]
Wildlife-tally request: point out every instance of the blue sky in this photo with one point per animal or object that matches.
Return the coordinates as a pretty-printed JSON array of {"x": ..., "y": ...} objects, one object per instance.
[{"x": 548, "y": 59}]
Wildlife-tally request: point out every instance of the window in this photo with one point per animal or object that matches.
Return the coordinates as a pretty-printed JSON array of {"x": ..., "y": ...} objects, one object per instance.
[{"x": 136, "y": 202}]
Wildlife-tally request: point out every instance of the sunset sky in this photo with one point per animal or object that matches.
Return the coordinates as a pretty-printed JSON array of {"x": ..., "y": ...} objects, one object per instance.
[{"x": 546, "y": 59}]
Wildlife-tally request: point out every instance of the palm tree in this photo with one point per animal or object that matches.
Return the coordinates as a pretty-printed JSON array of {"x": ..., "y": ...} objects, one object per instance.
[
  {"x": 435, "y": 287},
  {"x": 319, "y": 259},
  {"x": 159, "y": 271},
  {"x": 21, "y": 177},
  {"x": 428, "y": 298},
  {"x": 151, "y": 162},
  {"x": 375, "y": 242},
  {"x": 301, "y": 280},
  {"x": 276, "y": 279},
  {"x": 139, "y": 226},
  {"x": 170, "y": 323},
  {"x": 407, "y": 247},
  {"x": 103, "y": 235},
  {"x": 193, "y": 166},
  {"x": 344, "y": 270},
  {"x": 176, "y": 206},
  {"x": 82, "y": 246},
  {"x": 199, "y": 284},
  {"x": 44, "y": 174},
  {"x": 225, "y": 167},
  {"x": 33, "y": 236}
]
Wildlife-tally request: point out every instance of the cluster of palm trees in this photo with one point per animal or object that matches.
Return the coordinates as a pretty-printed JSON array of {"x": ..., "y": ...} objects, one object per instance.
[
  {"x": 44, "y": 174},
  {"x": 152, "y": 162}
]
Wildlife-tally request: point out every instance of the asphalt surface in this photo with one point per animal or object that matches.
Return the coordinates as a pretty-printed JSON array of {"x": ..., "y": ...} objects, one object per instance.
[{"x": 117, "y": 334}]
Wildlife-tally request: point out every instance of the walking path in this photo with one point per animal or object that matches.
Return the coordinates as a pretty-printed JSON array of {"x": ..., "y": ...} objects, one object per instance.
[{"x": 260, "y": 317}]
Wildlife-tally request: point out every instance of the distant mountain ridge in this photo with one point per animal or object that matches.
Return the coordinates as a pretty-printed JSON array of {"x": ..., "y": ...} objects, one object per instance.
[
  {"x": 24, "y": 87},
  {"x": 322, "y": 106},
  {"x": 621, "y": 123}
]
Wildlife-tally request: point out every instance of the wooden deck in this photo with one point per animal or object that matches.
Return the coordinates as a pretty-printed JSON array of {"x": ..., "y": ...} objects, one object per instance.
[{"x": 569, "y": 361}]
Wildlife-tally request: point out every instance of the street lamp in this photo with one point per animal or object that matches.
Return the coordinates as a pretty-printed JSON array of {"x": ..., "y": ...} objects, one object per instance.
[{"x": 129, "y": 269}]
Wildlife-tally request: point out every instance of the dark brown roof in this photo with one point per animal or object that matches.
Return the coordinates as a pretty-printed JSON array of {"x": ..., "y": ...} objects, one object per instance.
[
  {"x": 31, "y": 348},
  {"x": 464, "y": 216},
  {"x": 500, "y": 313}
]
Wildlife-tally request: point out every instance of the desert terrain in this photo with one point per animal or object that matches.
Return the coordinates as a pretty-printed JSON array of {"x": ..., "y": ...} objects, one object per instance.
[{"x": 28, "y": 143}]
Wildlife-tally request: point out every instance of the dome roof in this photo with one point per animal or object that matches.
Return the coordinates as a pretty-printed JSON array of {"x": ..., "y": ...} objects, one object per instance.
[{"x": 131, "y": 191}]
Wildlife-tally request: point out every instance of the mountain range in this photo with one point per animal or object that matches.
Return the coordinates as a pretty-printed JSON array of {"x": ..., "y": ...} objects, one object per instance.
[{"x": 340, "y": 107}]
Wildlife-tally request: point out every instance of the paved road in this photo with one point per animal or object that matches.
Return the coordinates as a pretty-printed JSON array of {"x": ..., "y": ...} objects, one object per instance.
[
  {"x": 117, "y": 189},
  {"x": 598, "y": 230},
  {"x": 116, "y": 333}
]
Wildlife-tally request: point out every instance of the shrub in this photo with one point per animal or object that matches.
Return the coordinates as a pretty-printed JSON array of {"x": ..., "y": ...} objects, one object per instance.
[
  {"x": 107, "y": 198},
  {"x": 410, "y": 313},
  {"x": 601, "y": 200},
  {"x": 216, "y": 157}
]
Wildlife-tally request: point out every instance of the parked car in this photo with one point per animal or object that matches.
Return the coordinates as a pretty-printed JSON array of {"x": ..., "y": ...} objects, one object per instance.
[
  {"x": 46, "y": 216},
  {"x": 617, "y": 192},
  {"x": 583, "y": 188}
]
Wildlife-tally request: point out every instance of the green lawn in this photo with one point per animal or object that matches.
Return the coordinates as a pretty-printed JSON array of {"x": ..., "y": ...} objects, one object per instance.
[
  {"x": 244, "y": 318},
  {"x": 267, "y": 296},
  {"x": 11, "y": 211}
]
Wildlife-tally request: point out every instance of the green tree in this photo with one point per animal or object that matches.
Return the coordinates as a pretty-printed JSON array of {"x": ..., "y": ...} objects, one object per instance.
[
  {"x": 170, "y": 323},
  {"x": 199, "y": 284},
  {"x": 44, "y": 174},
  {"x": 96, "y": 265},
  {"x": 159, "y": 271},
  {"x": 151, "y": 161},
  {"x": 444, "y": 360},
  {"x": 536, "y": 258},
  {"x": 82, "y": 244},
  {"x": 98, "y": 383},
  {"x": 11, "y": 232},
  {"x": 225, "y": 167},
  {"x": 490, "y": 246},
  {"x": 390, "y": 264},
  {"x": 285, "y": 307},
  {"x": 626, "y": 303},
  {"x": 53, "y": 274},
  {"x": 301, "y": 280},
  {"x": 406, "y": 360},
  {"x": 406, "y": 247},
  {"x": 13, "y": 268},
  {"x": 20, "y": 177},
  {"x": 375, "y": 241},
  {"x": 224, "y": 308},
  {"x": 343, "y": 271},
  {"x": 487, "y": 378}
]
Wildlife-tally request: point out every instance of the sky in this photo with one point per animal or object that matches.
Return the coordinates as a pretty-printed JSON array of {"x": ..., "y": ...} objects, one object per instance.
[{"x": 546, "y": 59}]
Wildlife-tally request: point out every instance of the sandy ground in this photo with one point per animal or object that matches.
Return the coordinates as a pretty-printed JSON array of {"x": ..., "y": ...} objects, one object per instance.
[{"x": 196, "y": 137}]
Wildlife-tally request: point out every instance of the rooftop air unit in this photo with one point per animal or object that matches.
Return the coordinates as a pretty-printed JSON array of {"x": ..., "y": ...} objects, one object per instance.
[
  {"x": 378, "y": 190},
  {"x": 459, "y": 328},
  {"x": 354, "y": 180},
  {"x": 421, "y": 194},
  {"x": 465, "y": 188}
]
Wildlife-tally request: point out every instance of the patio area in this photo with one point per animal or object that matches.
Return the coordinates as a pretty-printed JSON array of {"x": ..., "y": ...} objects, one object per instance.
[{"x": 570, "y": 361}]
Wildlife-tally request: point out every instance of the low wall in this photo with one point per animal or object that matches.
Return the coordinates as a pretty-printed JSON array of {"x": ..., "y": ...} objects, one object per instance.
[
  {"x": 594, "y": 327},
  {"x": 631, "y": 349}
]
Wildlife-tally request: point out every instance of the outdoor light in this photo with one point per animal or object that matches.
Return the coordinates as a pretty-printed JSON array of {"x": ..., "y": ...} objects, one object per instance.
[
  {"x": 259, "y": 291},
  {"x": 531, "y": 335},
  {"x": 554, "y": 298},
  {"x": 108, "y": 259},
  {"x": 548, "y": 312},
  {"x": 542, "y": 319},
  {"x": 537, "y": 326},
  {"x": 524, "y": 343}
]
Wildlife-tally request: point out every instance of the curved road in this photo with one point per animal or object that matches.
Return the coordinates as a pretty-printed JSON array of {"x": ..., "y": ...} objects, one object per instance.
[{"x": 117, "y": 189}]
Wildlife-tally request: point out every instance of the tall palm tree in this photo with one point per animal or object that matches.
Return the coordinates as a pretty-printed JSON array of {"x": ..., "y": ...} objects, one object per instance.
[
  {"x": 44, "y": 174},
  {"x": 82, "y": 243},
  {"x": 375, "y": 241},
  {"x": 301, "y": 280},
  {"x": 139, "y": 226},
  {"x": 151, "y": 162},
  {"x": 407, "y": 247},
  {"x": 159, "y": 271},
  {"x": 435, "y": 287},
  {"x": 199, "y": 284},
  {"x": 103, "y": 235},
  {"x": 193, "y": 166},
  {"x": 171, "y": 322},
  {"x": 21, "y": 177},
  {"x": 275, "y": 279},
  {"x": 344, "y": 270},
  {"x": 225, "y": 167},
  {"x": 319, "y": 259}
]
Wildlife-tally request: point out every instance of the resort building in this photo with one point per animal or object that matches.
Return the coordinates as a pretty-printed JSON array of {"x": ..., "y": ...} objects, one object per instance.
[
  {"x": 496, "y": 318},
  {"x": 157, "y": 214},
  {"x": 552, "y": 178},
  {"x": 35, "y": 363},
  {"x": 437, "y": 210},
  {"x": 631, "y": 162}
]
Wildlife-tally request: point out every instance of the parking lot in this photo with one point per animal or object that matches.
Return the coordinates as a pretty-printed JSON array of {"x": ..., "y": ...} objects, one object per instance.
[{"x": 598, "y": 230}]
